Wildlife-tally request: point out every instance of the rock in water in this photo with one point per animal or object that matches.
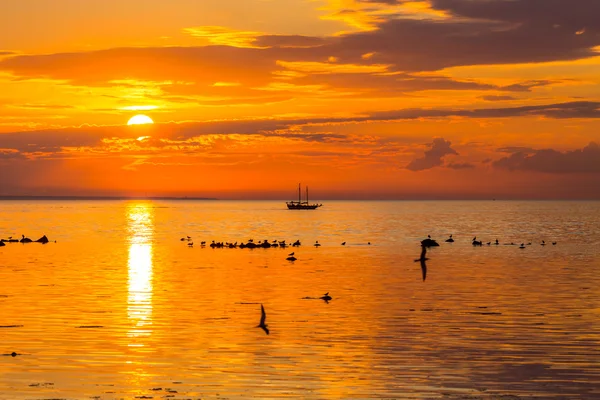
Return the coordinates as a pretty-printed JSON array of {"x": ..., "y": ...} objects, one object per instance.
[{"x": 43, "y": 240}]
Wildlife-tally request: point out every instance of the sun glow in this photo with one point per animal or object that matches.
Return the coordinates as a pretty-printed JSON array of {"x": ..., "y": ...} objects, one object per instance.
[{"x": 140, "y": 119}]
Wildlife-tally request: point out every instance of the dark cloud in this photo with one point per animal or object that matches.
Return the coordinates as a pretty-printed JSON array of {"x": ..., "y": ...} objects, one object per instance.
[
  {"x": 433, "y": 157},
  {"x": 497, "y": 98},
  {"x": 566, "y": 14},
  {"x": 480, "y": 32},
  {"x": 10, "y": 154},
  {"x": 483, "y": 32},
  {"x": 425, "y": 45},
  {"x": 460, "y": 165},
  {"x": 576, "y": 109},
  {"x": 194, "y": 71},
  {"x": 528, "y": 85},
  {"x": 586, "y": 160},
  {"x": 516, "y": 149},
  {"x": 48, "y": 141}
]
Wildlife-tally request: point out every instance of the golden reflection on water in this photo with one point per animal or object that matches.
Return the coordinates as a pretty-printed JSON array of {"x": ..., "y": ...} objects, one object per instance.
[{"x": 139, "y": 300}]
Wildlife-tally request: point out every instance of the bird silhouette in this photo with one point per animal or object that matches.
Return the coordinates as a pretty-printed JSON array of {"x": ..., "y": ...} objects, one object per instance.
[
  {"x": 317, "y": 244},
  {"x": 263, "y": 317},
  {"x": 326, "y": 297},
  {"x": 291, "y": 254},
  {"x": 450, "y": 240},
  {"x": 422, "y": 260},
  {"x": 343, "y": 243}
]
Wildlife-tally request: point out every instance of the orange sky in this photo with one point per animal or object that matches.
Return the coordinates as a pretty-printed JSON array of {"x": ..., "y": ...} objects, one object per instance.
[{"x": 382, "y": 99}]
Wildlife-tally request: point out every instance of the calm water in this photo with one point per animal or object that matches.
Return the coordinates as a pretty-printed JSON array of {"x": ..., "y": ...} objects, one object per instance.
[{"x": 120, "y": 308}]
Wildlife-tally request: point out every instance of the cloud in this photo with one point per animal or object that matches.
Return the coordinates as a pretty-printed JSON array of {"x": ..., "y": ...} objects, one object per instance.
[
  {"x": 479, "y": 32},
  {"x": 433, "y": 157},
  {"x": 460, "y": 165},
  {"x": 586, "y": 160},
  {"x": 497, "y": 98},
  {"x": 471, "y": 33},
  {"x": 10, "y": 154},
  {"x": 49, "y": 141}
]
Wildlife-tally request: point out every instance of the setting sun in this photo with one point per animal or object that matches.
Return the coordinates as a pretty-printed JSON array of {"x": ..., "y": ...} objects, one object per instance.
[{"x": 140, "y": 119}]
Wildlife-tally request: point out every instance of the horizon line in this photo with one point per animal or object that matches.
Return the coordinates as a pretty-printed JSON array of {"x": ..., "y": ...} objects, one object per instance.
[{"x": 198, "y": 198}]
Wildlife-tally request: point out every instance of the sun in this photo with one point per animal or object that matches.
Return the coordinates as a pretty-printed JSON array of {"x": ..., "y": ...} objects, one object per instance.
[{"x": 140, "y": 119}]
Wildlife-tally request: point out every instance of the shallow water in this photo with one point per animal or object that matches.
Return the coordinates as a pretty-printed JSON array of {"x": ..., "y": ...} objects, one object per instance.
[{"x": 119, "y": 307}]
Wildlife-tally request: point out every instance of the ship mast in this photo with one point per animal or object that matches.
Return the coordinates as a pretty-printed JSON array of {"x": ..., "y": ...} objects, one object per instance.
[
  {"x": 307, "y": 195},
  {"x": 299, "y": 196}
]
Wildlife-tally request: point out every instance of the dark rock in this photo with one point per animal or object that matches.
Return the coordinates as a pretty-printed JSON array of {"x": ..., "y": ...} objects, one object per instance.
[
  {"x": 429, "y": 243},
  {"x": 43, "y": 240}
]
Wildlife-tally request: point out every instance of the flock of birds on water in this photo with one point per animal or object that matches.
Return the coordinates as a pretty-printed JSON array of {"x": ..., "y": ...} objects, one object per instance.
[
  {"x": 266, "y": 244},
  {"x": 429, "y": 242},
  {"x": 42, "y": 240},
  {"x": 261, "y": 244}
]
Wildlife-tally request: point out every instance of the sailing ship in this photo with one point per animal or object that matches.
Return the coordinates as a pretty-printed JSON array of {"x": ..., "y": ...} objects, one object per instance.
[{"x": 302, "y": 205}]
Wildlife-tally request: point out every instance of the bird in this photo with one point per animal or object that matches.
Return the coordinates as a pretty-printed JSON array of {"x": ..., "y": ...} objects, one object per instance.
[
  {"x": 25, "y": 240},
  {"x": 326, "y": 297},
  {"x": 422, "y": 260},
  {"x": 522, "y": 246},
  {"x": 291, "y": 258},
  {"x": 543, "y": 243},
  {"x": 423, "y": 253},
  {"x": 450, "y": 240},
  {"x": 291, "y": 254},
  {"x": 191, "y": 244},
  {"x": 496, "y": 242},
  {"x": 343, "y": 243},
  {"x": 263, "y": 317},
  {"x": 317, "y": 244},
  {"x": 553, "y": 243}
]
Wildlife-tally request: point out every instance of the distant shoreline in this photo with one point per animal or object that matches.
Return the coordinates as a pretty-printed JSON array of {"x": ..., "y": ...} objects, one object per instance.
[
  {"x": 169, "y": 198},
  {"x": 63, "y": 198}
]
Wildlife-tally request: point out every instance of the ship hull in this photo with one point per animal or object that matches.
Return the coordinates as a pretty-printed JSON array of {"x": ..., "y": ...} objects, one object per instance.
[{"x": 296, "y": 206}]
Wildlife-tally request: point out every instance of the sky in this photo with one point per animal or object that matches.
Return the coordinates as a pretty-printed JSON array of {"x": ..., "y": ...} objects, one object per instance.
[{"x": 358, "y": 99}]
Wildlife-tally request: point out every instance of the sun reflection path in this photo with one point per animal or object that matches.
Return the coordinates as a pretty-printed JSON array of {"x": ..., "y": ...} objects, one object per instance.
[{"x": 139, "y": 300}]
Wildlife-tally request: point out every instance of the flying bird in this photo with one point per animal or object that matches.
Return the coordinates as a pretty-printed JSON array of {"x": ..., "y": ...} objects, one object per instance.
[
  {"x": 422, "y": 260},
  {"x": 263, "y": 317}
]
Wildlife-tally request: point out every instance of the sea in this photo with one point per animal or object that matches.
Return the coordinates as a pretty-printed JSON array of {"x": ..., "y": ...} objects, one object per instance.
[{"x": 121, "y": 305}]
